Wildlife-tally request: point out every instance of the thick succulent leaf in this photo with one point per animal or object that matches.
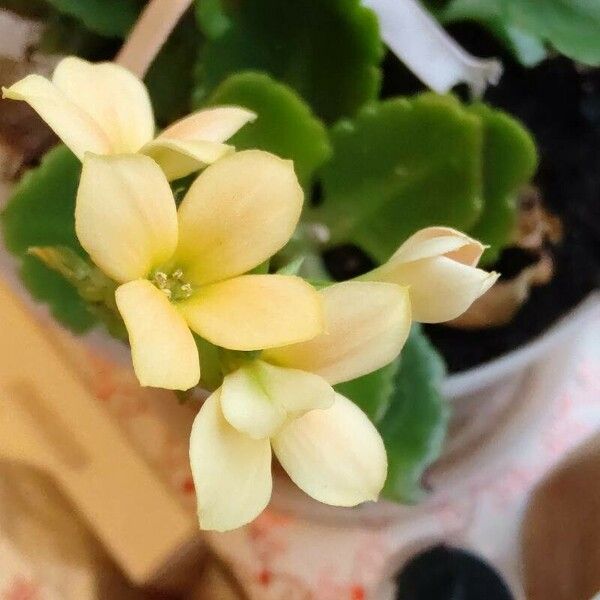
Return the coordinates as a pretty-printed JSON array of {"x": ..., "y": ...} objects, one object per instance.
[
  {"x": 170, "y": 79},
  {"x": 372, "y": 393},
  {"x": 327, "y": 51},
  {"x": 414, "y": 425},
  {"x": 111, "y": 18},
  {"x": 40, "y": 212},
  {"x": 509, "y": 161},
  {"x": 285, "y": 125},
  {"x": 571, "y": 27},
  {"x": 401, "y": 165}
]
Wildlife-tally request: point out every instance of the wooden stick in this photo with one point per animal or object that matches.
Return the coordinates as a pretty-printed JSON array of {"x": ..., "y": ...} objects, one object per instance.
[{"x": 148, "y": 35}]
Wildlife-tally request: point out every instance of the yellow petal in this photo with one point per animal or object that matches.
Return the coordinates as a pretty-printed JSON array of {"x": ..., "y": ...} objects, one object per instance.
[
  {"x": 74, "y": 127},
  {"x": 334, "y": 455},
  {"x": 115, "y": 98},
  {"x": 238, "y": 213},
  {"x": 258, "y": 397},
  {"x": 439, "y": 241},
  {"x": 248, "y": 406},
  {"x": 441, "y": 288},
  {"x": 162, "y": 346},
  {"x": 178, "y": 158},
  {"x": 125, "y": 215},
  {"x": 252, "y": 312},
  {"x": 212, "y": 125},
  {"x": 232, "y": 472},
  {"x": 366, "y": 325}
]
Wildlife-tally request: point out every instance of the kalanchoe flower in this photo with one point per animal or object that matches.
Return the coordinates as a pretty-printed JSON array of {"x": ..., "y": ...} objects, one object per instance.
[
  {"x": 438, "y": 264},
  {"x": 183, "y": 269},
  {"x": 105, "y": 109},
  {"x": 283, "y": 401}
]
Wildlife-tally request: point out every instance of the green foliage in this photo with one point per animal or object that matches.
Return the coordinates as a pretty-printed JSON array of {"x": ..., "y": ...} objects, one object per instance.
[
  {"x": 414, "y": 425},
  {"x": 328, "y": 52},
  {"x": 170, "y": 79},
  {"x": 110, "y": 18},
  {"x": 404, "y": 402},
  {"x": 509, "y": 161},
  {"x": 212, "y": 18},
  {"x": 372, "y": 393},
  {"x": 285, "y": 124},
  {"x": 40, "y": 212},
  {"x": 571, "y": 27},
  {"x": 402, "y": 164}
]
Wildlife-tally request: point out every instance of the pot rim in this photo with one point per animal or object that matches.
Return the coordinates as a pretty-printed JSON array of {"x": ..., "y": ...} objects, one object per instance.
[{"x": 491, "y": 372}]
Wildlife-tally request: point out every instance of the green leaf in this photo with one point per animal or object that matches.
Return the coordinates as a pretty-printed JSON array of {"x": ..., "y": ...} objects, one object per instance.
[
  {"x": 509, "y": 161},
  {"x": 170, "y": 79},
  {"x": 372, "y": 393},
  {"x": 210, "y": 361},
  {"x": 572, "y": 27},
  {"x": 40, "y": 212},
  {"x": 401, "y": 165},
  {"x": 285, "y": 125},
  {"x": 328, "y": 52},
  {"x": 111, "y": 18},
  {"x": 414, "y": 425},
  {"x": 212, "y": 18}
]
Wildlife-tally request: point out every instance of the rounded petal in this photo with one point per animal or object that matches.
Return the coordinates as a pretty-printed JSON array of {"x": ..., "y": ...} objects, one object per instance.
[
  {"x": 258, "y": 397},
  {"x": 238, "y": 213},
  {"x": 162, "y": 346},
  {"x": 212, "y": 125},
  {"x": 366, "y": 325},
  {"x": 441, "y": 289},
  {"x": 335, "y": 455},
  {"x": 248, "y": 405},
  {"x": 231, "y": 471},
  {"x": 125, "y": 216},
  {"x": 178, "y": 158},
  {"x": 439, "y": 241},
  {"x": 253, "y": 312},
  {"x": 75, "y": 127},
  {"x": 113, "y": 96}
]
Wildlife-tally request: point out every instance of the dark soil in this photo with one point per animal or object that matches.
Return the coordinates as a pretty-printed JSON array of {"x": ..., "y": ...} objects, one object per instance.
[{"x": 560, "y": 103}]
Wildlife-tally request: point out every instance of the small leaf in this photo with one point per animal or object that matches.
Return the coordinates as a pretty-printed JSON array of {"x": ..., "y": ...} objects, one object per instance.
[
  {"x": 212, "y": 18},
  {"x": 293, "y": 267},
  {"x": 285, "y": 125},
  {"x": 372, "y": 393},
  {"x": 211, "y": 372},
  {"x": 40, "y": 212},
  {"x": 328, "y": 52},
  {"x": 111, "y": 18},
  {"x": 414, "y": 425},
  {"x": 509, "y": 161},
  {"x": 401, "y": 165}
]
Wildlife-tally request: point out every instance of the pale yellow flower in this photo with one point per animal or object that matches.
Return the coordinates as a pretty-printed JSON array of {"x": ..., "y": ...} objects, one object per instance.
[
  {"x": 283, "y": 402},
  {"x": 105, "y": 109},
  {"x": 183, "y": 269},
  {"x": 439, "y": 265}
]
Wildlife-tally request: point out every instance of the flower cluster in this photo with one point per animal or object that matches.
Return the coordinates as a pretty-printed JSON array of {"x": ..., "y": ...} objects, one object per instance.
[{"x": 186, "y": 273}]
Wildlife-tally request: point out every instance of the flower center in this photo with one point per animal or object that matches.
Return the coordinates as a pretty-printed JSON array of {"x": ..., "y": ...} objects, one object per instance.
[{"x": 172, "y": 284}]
